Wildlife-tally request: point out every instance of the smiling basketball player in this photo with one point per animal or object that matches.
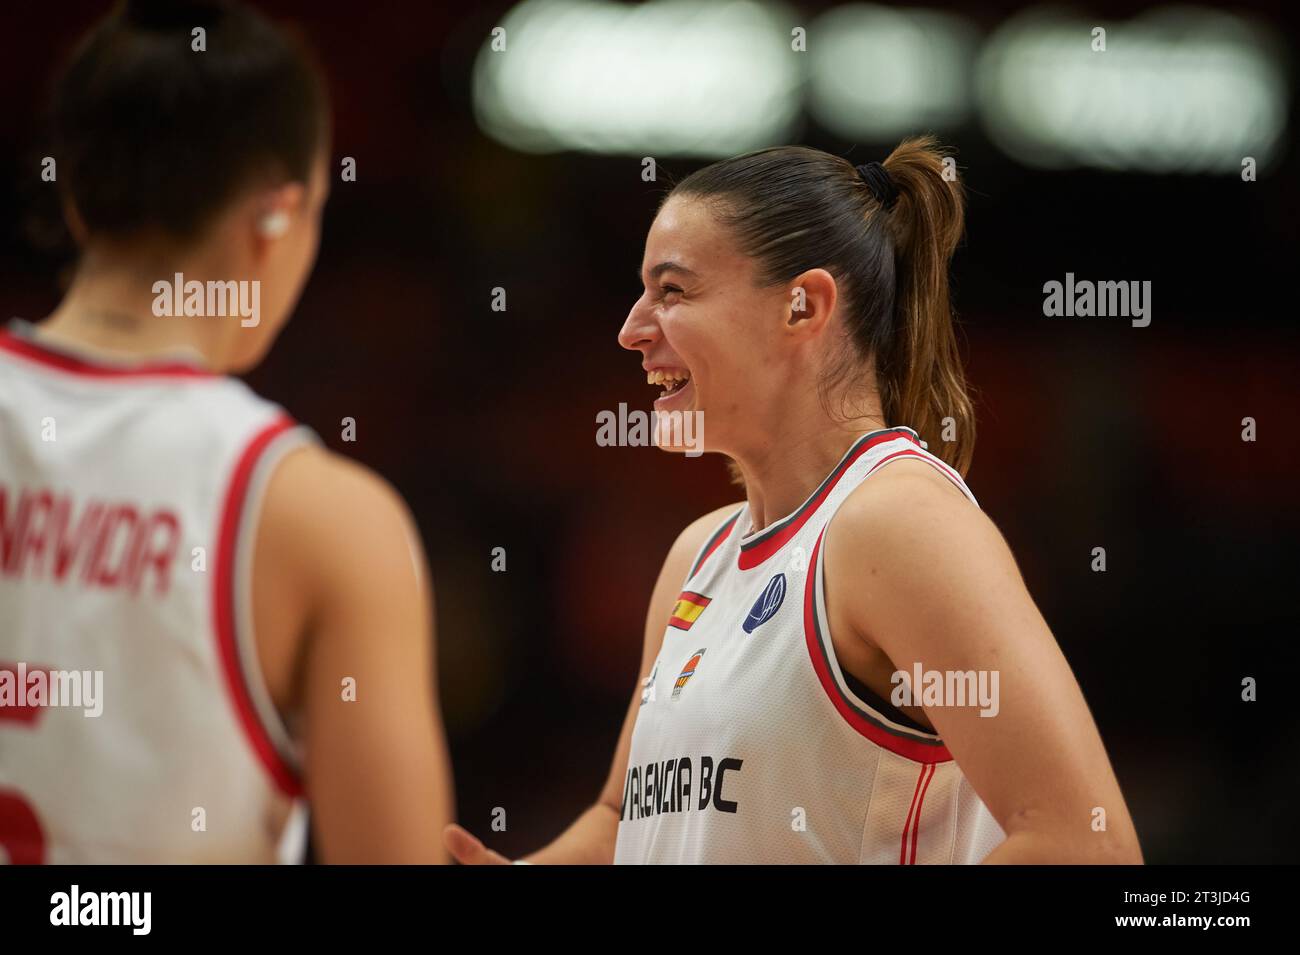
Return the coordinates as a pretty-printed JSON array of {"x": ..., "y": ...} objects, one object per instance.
[{"x": 800, "y": 304}]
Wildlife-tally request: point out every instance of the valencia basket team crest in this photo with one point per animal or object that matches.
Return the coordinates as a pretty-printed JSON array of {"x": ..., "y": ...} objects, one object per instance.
[{"x": 688, "y": 671}]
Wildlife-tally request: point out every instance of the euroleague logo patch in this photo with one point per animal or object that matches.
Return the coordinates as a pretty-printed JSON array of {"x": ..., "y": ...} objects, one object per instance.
[{"x": 767, "y": 604}]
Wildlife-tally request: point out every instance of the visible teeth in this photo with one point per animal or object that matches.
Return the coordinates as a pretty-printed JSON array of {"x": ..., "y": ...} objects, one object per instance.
[{"x": 662, "y": 377}]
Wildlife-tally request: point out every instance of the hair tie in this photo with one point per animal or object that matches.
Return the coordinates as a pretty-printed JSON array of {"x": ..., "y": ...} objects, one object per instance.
[{"x": 878, "y": 181}]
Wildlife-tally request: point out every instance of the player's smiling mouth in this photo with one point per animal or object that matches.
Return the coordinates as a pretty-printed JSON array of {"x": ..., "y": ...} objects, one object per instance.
[
  {"x": 671, "y": 380},
  {"x": 678, "y": 388}
]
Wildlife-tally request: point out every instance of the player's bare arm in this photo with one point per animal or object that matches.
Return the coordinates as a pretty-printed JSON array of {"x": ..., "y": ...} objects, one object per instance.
[
  {"x": 345, "y": 630},
  {"x": 916, "y": 573}
]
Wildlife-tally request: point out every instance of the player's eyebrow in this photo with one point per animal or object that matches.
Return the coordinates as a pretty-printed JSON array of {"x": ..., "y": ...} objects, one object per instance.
[{"x": 669, "y": 266}]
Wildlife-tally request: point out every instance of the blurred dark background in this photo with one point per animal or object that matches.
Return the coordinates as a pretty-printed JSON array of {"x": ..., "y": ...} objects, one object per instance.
[{"x": 1092, "y": 433}]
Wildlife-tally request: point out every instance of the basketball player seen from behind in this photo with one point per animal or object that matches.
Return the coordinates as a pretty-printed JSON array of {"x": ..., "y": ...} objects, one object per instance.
[{"x": 259, "y": 607}]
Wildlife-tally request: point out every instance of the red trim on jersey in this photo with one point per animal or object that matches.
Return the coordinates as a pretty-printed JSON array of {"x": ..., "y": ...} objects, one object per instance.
[
  {"x": 942, "y": 468},
  {"x": 718, "y": 537},
  {"x": 913, "y": 823},
  {"x": 907, "y": 823},
  {"x": 223, "y": 610},
  {"x": 30, "y": 350},
  {"x": 908, "y": 747},
  {"x": 754, "y": 554}
]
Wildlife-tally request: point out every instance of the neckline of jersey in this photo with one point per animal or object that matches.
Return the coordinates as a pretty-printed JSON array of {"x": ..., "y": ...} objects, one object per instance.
[
  {"x": 19, "y": 337},
  {"x": 757, "y": 546}
]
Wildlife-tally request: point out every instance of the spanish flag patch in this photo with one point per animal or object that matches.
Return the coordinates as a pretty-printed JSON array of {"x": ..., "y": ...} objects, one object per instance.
[{"x": 689, "y": 607}]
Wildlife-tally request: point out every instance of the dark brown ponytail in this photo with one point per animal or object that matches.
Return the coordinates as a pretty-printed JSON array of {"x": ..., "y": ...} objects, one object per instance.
[{"x": 922, "y": 381}]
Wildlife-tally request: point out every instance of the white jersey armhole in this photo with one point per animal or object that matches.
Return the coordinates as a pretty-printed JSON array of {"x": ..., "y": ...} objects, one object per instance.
[
  {"x": 823, "y": 633},
  {"x": 271, "y": 739},
  {"x": 908, "y": 741}
]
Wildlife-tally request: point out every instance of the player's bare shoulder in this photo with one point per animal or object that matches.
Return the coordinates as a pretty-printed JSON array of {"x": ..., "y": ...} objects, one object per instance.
[
  {"x": 313, "y": 479},
  {"x": 905, "y": 519},
  {"x": 915, "y": 535},
  {"x": 899, "y": 495},
  {"x": 324, "y": 511},
  {"x": 333, "y": 538}
]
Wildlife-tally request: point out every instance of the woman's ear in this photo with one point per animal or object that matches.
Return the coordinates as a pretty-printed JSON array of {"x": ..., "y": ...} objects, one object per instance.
[
  {"x": 276, "y": 211},
  {"x": 812, "y": 302}
]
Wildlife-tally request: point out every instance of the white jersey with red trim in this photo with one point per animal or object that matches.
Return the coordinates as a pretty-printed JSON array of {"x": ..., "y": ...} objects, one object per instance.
[
  {"x": 752, "y": 746},
  {"x": 134, "y": 722}
]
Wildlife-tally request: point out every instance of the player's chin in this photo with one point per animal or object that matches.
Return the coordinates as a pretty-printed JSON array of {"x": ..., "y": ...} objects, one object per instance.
[
  {"x": 680, "y": 432},
  {"x": 687, "y": 449}
]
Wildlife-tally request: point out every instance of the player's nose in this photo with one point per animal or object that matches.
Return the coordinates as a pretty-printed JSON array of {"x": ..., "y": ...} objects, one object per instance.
[{"x": 640, "y": 329}]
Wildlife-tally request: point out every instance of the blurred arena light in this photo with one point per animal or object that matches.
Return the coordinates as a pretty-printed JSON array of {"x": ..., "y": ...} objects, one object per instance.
[
  {"x": 1178, "y": 89},
  {"x": 878, "y": 72},
  {"x": 667, "y": 77}
]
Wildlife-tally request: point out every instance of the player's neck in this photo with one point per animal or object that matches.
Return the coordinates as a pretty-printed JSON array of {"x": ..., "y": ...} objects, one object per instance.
[
  {"x": 110, "y": 309},
  {"x": 792, "y": 461}
]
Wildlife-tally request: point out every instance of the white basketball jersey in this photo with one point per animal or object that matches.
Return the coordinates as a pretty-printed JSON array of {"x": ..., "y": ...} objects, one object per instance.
[
  {"x": 128, "y": 500},
  {"x": 752, "y": 746}
]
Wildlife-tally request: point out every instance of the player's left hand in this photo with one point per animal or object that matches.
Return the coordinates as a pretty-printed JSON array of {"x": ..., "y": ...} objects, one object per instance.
[{"x": 467, "y": 849}]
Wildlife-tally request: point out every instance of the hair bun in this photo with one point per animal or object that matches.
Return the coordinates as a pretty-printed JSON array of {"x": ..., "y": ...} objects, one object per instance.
[{"x": 170, "y": 14}]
